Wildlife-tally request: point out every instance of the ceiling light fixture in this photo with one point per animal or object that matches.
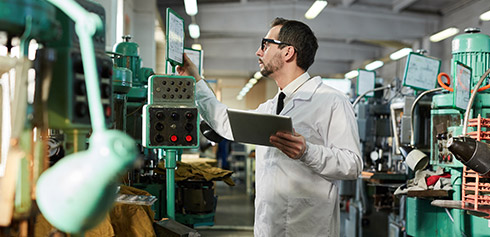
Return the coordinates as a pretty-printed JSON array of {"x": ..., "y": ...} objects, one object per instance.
[
  {"x": 315, "y": 9},
  {"x": 444, "y": 34},
  {"x": 351, "y": 74},
  {"x": 194, "y": 31},
  {"x": 196, "y": 46},
  {"x": 485, "y": 16},
  {"x": 400, "y": 53},
  {"x": 374, "y": 65},
  {"x": 190, "y": 7}
]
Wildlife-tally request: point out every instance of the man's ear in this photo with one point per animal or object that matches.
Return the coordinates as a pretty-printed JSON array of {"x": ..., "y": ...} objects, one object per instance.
[{"x": 289, "y": 53}]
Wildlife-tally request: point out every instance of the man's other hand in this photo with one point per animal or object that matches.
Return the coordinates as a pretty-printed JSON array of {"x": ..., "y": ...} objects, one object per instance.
[
  {"x": 188, "y": 69},
  {"x": 293, "y": 145}
]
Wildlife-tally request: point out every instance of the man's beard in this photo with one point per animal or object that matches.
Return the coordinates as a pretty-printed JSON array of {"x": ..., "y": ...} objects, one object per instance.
[{"x": 274, "y": 65}]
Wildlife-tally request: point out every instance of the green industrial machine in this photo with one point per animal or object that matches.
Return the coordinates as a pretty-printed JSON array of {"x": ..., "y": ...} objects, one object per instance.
[
  {"x": 471, "y": 49},
  {"x": 68, "y": 98},
  {"x": 131, "y": 81}
]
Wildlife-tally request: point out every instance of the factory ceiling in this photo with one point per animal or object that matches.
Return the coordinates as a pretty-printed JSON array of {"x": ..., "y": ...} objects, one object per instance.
[{"x": 350, "y": 32}]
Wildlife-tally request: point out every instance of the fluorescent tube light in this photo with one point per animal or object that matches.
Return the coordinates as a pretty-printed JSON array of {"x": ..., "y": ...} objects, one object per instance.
[
  {"x": 315, "y": 9},
  {"x": 400, "y": 53},
  {"x": 351, "y": 74},
  {"x": 444, "y": 34},
  {"x": 190, "y": 7},
  {"x": 374, "y": 65},
  {"x": 194, "y": 31},
  {"x": 196, "y": 46},
  {"x": 485, "y": 16}
]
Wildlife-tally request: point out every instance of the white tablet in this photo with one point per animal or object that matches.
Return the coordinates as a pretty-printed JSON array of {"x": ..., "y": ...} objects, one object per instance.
[{"x": 256, "y": 128}]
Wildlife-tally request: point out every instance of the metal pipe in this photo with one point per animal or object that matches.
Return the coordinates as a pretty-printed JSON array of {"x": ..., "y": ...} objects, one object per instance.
[
  {"x": 412, "y": 130},
  {"x": 472, "y": 98},
  {"x": 170, "y": 164},
  {"x": 369, "y": 91},
  {"x": 393, "y": 124}
]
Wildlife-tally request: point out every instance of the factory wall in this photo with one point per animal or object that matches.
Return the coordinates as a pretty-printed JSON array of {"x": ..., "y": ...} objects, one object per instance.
[{"x": 138, "y": 21}]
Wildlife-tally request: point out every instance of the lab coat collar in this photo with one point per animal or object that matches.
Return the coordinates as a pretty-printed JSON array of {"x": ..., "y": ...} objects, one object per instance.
[{"x": 304, "y": 93}]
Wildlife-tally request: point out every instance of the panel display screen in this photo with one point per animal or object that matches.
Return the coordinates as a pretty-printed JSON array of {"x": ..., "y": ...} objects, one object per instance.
[
  {"x": 365, "y": 82},
  {"x": 421, "y": 72},
  {"x": 461, "y": 86},
  {"x": 175, "y": 38}
]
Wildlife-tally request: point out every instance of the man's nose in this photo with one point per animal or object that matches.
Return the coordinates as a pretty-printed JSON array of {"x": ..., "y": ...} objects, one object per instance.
[{"x": 259, "y": 52}]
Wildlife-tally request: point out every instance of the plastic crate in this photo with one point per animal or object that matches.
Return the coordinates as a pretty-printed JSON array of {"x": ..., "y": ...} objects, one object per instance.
[{"x": 475, "y": 187}]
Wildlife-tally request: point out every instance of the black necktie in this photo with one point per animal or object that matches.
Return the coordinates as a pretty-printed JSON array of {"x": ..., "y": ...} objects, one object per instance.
[{"x": 280, "y": 102}]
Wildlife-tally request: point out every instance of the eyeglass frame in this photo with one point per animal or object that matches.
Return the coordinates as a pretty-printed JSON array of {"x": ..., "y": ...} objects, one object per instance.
[{"x": 264, "y": 40}]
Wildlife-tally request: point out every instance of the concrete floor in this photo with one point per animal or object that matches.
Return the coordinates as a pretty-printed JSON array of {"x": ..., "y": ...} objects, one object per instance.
[{"x": 234, "y": 213}]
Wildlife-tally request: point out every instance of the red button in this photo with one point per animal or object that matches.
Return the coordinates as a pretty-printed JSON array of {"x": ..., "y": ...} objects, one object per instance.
[
  {"x": 173, "y": 138},
  {"x": 188, "y": 138},
  {"x": 108, "y": 111}
]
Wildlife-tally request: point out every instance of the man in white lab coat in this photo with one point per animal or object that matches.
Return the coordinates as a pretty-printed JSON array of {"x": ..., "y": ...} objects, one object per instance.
[{"x": 296, "y": 188}]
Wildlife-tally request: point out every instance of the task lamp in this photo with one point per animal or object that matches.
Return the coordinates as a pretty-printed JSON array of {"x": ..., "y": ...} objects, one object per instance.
[
  {"x": 472, "y": 153},
  {"x": 414, "y": 158},
  {"x": 75, "y": 194}
]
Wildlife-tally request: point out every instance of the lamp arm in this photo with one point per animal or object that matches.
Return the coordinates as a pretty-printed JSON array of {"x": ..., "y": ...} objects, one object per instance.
[
  {"x": 412, "y": 108},
  {"x": 470, "y": 103},
  {"x": 369, "y": 91},
  {"x": 86, "y": 24}
]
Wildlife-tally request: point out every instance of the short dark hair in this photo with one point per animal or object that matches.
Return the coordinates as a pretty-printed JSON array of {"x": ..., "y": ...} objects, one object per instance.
[{"x": 299, "y": 35}]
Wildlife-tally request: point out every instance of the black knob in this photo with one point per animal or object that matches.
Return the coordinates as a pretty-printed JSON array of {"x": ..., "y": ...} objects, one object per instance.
[
  {"x": 160, "y": 115},
  {"x": 80, "y": 88},
  {"x": 175, "y": 116},
  {"x": 441, "y": 136},
  {"x": 81, "y": 109},
  {"x": 189, "y": 115},
  {"x": 189, "y": 127},
  {"x": 106, "y": 91},
  {"x": 159, "y": 138},
  {"x": 159, "y": 126}
]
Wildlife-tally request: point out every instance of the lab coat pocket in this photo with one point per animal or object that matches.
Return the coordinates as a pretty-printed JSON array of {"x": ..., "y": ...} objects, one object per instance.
[
  {"x": 303, "y": 130},
  {"x": 308, "y": 217}
]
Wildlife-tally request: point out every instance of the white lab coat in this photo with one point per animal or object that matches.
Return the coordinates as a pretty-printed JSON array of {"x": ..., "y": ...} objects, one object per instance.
[{"x": 300, "y": 197}]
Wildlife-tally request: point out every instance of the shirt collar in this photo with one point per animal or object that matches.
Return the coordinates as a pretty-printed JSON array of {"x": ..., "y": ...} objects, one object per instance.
[{"x": 295, "y": 84}]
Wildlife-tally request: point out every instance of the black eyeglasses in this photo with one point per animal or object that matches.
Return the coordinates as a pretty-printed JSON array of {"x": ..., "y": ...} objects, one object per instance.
[{"x": 265, "y": 41}]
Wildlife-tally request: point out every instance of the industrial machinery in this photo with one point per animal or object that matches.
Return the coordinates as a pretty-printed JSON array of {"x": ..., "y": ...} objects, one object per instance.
[
  {"x": 70, "y": 72},
  {"x": 471, "y": 52}
]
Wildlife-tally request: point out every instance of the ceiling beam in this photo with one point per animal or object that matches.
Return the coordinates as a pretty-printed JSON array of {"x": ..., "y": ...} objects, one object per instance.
[
  {"x": 347, "y": 3},
  {"x": 254, "y": 18},
  {"x": 399, "y": 5}
]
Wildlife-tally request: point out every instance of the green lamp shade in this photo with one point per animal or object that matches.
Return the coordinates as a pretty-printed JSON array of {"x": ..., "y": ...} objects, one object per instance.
[{"x": 75, "y": 194}]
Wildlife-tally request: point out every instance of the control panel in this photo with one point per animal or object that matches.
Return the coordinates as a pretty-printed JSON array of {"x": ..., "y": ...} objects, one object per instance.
[
  {"x": 171, "y": 119},
  {"x": 68, "y": 99},
  {"x": 441, "y": 155},
  {"x": 172, "y": 90},
  {"x": 169, "y": 127}
]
